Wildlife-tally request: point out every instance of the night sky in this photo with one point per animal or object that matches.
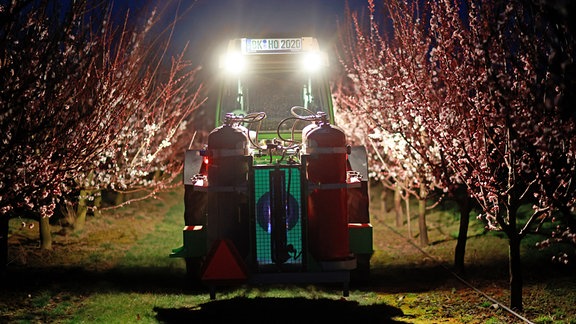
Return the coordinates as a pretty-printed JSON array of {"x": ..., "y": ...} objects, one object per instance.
[
  {"x": 207, "y": 26},
  {"x": 210, "y": 23}
]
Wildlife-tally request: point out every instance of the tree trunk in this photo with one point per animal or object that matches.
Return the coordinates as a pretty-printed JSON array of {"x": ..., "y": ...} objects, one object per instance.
[
  {"x": 97, "y": 203},
  {"x": 515, "y": 268},
  {"x": 514, "y": 261},
  {"x": 407, "y": 201},
  {"x": 45, "y": 233},
  {"x": 3, "y": 244},
  {"x": 465, "y": 204},
  {"x": 119, "y": 199},
  {"x": 398, "y": 205},
  {"x": 82, "y": 210},
  {"x": 422, "y": 228},
  {"x": 383, "y": 195}
]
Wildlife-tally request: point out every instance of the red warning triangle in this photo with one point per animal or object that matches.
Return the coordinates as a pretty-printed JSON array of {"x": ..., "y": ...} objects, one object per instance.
[{"x": 224, "y": 263}]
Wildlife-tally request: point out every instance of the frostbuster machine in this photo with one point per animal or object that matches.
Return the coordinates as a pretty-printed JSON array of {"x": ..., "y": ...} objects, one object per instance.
[{"x": 276, "y": 195}]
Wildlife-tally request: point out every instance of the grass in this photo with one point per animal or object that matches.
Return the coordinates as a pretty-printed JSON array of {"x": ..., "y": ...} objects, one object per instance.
[{"x": 118, "y": 271}]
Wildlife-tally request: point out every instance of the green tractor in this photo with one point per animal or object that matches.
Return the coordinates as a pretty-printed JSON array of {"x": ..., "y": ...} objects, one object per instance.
[{"x": 276, "y": 195}]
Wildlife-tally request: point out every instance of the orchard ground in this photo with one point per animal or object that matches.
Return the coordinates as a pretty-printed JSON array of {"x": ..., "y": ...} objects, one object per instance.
[{"x": 118, "y": 270}]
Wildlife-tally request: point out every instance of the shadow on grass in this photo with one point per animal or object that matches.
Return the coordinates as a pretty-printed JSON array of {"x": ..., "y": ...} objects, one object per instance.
[
  {"x": 151, "y": 279},
  {"x": 279, "y": 310},
  {"x": 171, "y": 280},
  {"x": 392, "y": 279},
  {"x": 168, "y": 280}
]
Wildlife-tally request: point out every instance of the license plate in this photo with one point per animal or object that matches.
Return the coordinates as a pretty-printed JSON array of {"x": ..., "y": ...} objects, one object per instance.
[{"x": 256, "y": 45}]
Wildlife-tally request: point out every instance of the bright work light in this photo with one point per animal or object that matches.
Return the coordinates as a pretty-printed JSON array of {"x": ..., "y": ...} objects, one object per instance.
[
  {"x": 313, "y": 61},
  {"x": 233, "y": 62}
]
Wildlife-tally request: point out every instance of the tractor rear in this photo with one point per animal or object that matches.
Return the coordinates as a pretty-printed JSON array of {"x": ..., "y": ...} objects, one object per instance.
[{"x": 276, "y": 195}]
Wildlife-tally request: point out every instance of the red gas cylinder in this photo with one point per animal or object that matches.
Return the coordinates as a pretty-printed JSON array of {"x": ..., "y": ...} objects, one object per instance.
[
  {"x": 227, "y": 174},
  {"x": 327, "y": 207},
  {"x": 226, "y": 151}
]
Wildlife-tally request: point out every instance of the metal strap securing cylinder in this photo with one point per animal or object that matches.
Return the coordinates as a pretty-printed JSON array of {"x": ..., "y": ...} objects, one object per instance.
[
  {"x": 326, "y": 150},
  {"x": 332, "y": 186},
  {"x": 226, "y": 152}
]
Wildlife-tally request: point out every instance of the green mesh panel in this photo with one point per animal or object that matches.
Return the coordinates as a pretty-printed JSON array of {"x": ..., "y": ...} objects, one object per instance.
[{"x": 290, "y": 251}]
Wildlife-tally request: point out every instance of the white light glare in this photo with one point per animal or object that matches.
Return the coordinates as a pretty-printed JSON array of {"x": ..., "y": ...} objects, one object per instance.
[
  {"x": 312, "y": 61},
  {"x": 233, "y": 62}
]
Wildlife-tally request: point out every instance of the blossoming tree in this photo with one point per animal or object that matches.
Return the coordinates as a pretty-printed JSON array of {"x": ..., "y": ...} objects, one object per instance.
[
  {"x": 476, "y": 79},
  {"x": 157, "y": 98},
  {"x": 84, "y": 103}
]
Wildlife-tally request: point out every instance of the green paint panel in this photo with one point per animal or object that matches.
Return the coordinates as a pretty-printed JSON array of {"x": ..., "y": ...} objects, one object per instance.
[
  {"x": 278, "y": 246},
  {"x": 361, "y": 238}
]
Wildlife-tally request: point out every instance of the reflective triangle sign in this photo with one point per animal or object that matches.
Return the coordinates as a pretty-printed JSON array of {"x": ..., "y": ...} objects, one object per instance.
[{"x": 224, "y": 263}]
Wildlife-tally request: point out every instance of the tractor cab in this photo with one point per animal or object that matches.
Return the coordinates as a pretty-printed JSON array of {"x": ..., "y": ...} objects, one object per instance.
[
  {"x": 276, "y": 195},
  {"x": 271, "y": 76}
]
